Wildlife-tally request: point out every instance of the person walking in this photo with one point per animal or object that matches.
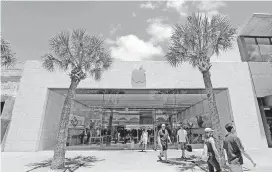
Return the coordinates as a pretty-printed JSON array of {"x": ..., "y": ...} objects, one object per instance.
[
  {"x": 213, "y": 157},
  {"x": 182, "y": 140},
  {"x": 144, "y": 139},
  {"x": 164, "y": 138},
  {"x": 159, "y": 143},
  {"x": 234, "y": 150},
  {"x": 88, "y": 134}
]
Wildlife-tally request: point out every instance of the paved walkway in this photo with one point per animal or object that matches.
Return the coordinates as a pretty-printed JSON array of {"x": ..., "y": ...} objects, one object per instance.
[{"x": 122, "y": 161}]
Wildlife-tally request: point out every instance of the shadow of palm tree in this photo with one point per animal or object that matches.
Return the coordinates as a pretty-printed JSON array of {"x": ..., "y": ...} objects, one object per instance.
[
  {"x": 193, "y": 163},
  {"x": 71, "y": 164}
]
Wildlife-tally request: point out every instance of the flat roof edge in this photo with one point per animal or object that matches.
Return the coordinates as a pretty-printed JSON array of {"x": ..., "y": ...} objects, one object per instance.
[{"x": 263, "y": 14}]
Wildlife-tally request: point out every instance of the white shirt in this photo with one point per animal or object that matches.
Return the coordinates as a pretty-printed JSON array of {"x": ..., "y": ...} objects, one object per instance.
[
  {"x": 145, "y": 136},
  {"x": 182, "y": 135}
]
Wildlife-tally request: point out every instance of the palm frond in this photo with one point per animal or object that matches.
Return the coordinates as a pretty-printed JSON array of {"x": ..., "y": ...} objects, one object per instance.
[
  {"x": 50, "y": 63},
  {"x": 79, "y": 52},
  {"x": 97, "y": 58},
  {"x": 198, "y": 39},
  {"x": 79, "y": 39},
  {"x": 60, "y": 46},
  {"x": 7, "y": 56},
  {"x": 96, "y": 73}
]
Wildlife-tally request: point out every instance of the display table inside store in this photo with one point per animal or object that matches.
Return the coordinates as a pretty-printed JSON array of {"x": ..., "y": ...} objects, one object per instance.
[{"x": 75, "y": 136}]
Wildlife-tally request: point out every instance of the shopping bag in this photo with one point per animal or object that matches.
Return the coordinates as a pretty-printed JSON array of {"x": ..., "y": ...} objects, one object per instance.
[
  {"x": 189, "y": 148},
  {"x": 204, "y": 155}
]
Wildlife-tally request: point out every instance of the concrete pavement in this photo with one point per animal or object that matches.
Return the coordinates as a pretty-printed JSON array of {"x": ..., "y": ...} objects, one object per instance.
[{"x": 123, "y": 161}]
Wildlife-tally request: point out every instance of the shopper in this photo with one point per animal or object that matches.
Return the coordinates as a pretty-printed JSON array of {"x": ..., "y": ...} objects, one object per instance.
[
  {"x": 182, "y": 139},
  {"x": 88, "y": 134},
  {"x": 234, "y": 150},
  {"x": 164, "y": 138},
  {"x": 144, "y": 139},
  {"x": 213, "y": 157}
]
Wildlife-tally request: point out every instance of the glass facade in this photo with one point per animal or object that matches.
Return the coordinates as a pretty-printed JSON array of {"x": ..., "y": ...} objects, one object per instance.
[
  {"x": 255, "y": 49},
  {"x": 116, "y": 121}
]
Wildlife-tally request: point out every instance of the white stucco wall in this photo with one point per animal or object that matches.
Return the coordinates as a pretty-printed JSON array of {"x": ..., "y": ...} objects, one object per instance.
[
  {"x": 31, "y": 99},
  {"x": 51, "y": 120}
]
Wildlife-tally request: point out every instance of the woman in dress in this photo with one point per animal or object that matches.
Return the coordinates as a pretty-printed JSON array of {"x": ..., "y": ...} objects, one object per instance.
[
  {"x": 211, "y": 152},
  {"x": 164, "y": 138},
  {"x": 144, "y": 139}
]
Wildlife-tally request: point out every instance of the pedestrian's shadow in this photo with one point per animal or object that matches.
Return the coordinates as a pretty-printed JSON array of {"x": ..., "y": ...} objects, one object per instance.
[{"x": 71, "y": 164}]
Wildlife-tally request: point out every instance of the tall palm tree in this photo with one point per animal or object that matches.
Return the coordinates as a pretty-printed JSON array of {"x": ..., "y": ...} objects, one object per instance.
[
  {"x": 7, "y": 56},
  {"x": 80, "y": 55},
  {"x": 196, "y": 42}
]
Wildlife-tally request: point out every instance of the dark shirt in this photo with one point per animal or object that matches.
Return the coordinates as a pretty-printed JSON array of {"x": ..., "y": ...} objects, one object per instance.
[
  {"x": 233, "y": 146},
  {"x": 163, "y": 135},
  {"x": 210, "y": 150}
]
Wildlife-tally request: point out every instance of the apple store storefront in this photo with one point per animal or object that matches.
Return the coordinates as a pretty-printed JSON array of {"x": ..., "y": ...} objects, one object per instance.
[{"x": 132, "y": 96}]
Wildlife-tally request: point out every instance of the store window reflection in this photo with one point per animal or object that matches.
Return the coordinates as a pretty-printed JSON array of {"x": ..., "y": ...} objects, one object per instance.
[{"x": 258, "y": 49}]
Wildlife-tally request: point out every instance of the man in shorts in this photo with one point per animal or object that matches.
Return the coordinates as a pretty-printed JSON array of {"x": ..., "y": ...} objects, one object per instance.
[
  {"x": 182, "y": 140},
  {"x": 164, "y": 140},
  {"x": 234, "y": 150}
]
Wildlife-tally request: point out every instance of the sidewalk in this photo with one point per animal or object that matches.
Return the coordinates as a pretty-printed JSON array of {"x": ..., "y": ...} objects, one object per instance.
[{"x": 123, "y": 161}]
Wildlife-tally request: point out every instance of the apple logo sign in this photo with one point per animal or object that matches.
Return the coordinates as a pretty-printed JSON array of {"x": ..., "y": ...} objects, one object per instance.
[{"x": 138, "y": 78}]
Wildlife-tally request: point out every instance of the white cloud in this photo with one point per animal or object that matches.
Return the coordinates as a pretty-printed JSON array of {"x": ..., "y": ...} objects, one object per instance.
[
  {"x": 179, "y": 6},
  {"x": 115, "y": 28},
  {"x": 158, "y": 30},
  {"x": 210, "y": 8},
  {"x": 149, "y": 5},
  {"x": 211, "y": 5},
  {"x": 134, "y": 14},
  {"x": 209, "y": 14},
  {"x": 131, "y": 48}
]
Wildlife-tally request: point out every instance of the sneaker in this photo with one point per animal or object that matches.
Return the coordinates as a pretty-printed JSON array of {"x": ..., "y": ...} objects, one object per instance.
[
  {"x": 183, "y": 158},
  {"x": 160, "y": 158}
]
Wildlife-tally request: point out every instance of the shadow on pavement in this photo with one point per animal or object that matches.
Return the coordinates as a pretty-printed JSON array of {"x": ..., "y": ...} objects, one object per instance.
[
  {"x": 191, "y": 164},
  {"x": 71, "y": 164}
]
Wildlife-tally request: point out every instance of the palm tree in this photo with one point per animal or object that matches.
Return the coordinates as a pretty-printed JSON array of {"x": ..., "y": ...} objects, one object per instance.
[
  {"x": 7, "y": 56},
  {"x": 196, "y": 42},
  {"x": 80, "y": 55}
]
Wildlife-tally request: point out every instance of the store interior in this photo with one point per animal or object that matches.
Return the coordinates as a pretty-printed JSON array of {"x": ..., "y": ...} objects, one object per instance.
[{"x": 115, "y": 119}]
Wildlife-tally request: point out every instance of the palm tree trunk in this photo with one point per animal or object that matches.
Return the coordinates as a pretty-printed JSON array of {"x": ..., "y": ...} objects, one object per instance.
[
  {"x": 218, "y": 135},
  {"x": 59, "y": 152},
  {"x": 110, "y": 127}
]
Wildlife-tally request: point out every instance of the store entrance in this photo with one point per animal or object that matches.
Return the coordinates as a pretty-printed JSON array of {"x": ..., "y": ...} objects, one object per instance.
[{"x": 115, "y": 119}]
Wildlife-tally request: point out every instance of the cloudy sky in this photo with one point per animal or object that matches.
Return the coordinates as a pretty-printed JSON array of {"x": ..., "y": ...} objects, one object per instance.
[{"x": 133, "y": 30}]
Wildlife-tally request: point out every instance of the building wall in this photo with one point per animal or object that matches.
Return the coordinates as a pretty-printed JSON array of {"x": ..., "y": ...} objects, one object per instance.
[
  {"x": 51, "y": 120},
  {"x": 261, "y": 75},
  {"x": 232, "y": 75}
]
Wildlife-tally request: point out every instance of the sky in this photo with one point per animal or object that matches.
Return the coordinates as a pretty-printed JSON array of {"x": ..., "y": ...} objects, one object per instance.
[{"x": 133, "y": 31}]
